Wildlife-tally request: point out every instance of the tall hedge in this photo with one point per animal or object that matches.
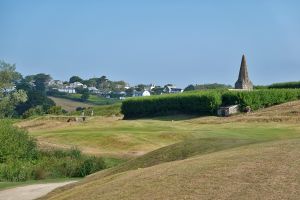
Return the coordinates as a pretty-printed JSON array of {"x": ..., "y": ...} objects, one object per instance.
[
  {"x": 205, "y": 102},
  {"x": 286, "y": 85},
  {"x": 260, "y": 98},
  {"x": 201, "y": 103}
]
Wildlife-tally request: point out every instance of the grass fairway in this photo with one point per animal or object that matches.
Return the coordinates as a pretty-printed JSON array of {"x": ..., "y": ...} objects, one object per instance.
[
  {"x": 251, "y": 156},
  {"x": 115, "y": 137}
]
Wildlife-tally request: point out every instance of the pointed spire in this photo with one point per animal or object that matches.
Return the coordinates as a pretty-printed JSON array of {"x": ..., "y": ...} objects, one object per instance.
[{"x": 243, "y": 81}]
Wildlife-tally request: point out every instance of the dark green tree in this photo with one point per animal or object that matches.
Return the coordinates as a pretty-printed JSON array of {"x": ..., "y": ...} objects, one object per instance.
[{"x": 75, "y": 79}]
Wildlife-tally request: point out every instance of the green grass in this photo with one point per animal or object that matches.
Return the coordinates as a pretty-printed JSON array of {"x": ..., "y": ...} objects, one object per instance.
[
  {"x": 135, "y": 137},
  {"x": 93, "y": 99},
  {"x": 184, "y": 156},
  {"x": 7, "y": 185}
]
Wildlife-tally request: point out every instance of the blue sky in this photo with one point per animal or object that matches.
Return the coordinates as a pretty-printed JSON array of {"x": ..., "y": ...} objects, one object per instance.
[{"x": 153, "y": 41}]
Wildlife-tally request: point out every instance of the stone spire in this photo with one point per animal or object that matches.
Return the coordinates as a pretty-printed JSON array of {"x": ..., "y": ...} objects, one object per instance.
[{"x": 244, "y": 82}]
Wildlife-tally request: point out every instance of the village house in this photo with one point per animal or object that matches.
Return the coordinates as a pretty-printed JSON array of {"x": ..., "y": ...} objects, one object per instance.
[
  {"x": 171, "y": 89},
  {"x": 141, "y": 93},
  {"x": 93, "y": 90}
]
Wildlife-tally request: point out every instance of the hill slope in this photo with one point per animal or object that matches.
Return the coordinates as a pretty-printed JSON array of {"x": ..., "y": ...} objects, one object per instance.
[
  {"x": 69, "y": 105},
  {"x": 259, "y": 171}
]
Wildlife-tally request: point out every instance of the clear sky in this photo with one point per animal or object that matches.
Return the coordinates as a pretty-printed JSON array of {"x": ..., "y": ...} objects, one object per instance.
[{"x": 153, "y": 41}]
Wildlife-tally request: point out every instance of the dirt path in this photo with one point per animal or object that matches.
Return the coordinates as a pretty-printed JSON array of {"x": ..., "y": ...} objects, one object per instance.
[{"x": 30, "y": 192}]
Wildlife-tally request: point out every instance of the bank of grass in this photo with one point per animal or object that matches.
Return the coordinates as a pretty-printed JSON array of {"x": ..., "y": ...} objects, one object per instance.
[
  {"x": 93, "y": 99},
  {"x": 267, "y": 170}
]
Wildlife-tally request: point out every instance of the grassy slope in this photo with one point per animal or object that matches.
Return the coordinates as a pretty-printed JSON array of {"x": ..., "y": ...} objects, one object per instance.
[
  {"x": 135, "y": 137},
  {"x": 223, "y": 163},
  {"x": 93, "y": 99},
  {"x": 260, "y": 171},
  {"x": 69, "y": 105}
]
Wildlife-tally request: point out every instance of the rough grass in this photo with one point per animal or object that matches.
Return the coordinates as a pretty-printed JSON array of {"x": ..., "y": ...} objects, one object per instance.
[
  {"x": 69, "y": 105},
  {"x": 214, "y": 158},
  {"x": 260, "y": 171}
]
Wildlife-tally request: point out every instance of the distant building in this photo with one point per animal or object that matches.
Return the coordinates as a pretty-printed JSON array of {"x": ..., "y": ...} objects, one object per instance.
[
  {"x": 55, "y": 83},
  {"x": 243, "y": 81},
  {"x": 141, "y": 93},
  {"x": 77, "y": 85},
  {"x": 66, "y": 90},
  {"x": 93, "y": 90},
  {"x": 172, "y": 89}
]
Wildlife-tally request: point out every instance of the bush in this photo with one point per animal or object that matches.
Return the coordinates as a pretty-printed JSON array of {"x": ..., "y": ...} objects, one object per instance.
[
  {"x": 201, "y": 103},
  {"x": 291, "y": 85},
  {"x": 56, "y": 110},
  {"x": 260, "y": 98},
  {"x": 205, "y": 103},
  {"x": 15, "y": 170},
  {"x": 20, "y": 160},
  {"x": 35, "y": 111},
  {"x": 15, "y": 143}
]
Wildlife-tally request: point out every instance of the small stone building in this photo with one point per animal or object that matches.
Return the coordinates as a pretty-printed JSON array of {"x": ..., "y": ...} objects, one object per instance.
[{"x": 226, "y": 111}]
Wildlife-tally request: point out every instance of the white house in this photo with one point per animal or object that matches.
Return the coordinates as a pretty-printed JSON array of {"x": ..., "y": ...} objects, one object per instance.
[
  {"x": 172, "y": 90},
  {"x": 77, "y": 84},
  {"x": 93, "y": 90},
  {"x": 141, "y": 94},
  {"x": 67, "y": 90}
]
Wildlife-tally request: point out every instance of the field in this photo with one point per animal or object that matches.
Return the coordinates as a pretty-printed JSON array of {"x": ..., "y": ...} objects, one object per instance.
[
  {"x": 74, "y": 101},
  {"x": 188, "y": 156},
  {"x": 69, "y": 105}
]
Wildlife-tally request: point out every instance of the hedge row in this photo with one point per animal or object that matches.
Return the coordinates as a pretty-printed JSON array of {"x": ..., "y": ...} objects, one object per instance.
[
  {"x": 285, "y": 85},
  {"x": 204, "y": 102},
  {"x": 201, "y": 103},
  {"x": 260, "y": 98}
]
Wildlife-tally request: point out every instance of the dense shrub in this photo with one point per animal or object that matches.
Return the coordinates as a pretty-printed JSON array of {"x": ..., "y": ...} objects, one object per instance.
[
  {"x": 15, "y": 143},
  {"x": 260, "y": 98},
  {"x": 56, "y": 110},
  {"x": 20, "y": 160},
  {"x": 205, "y": 103},
  {"x": 201, "y": 103},
  {"x": 35, "y": 111},
  {"x": 291, "y": 85}
]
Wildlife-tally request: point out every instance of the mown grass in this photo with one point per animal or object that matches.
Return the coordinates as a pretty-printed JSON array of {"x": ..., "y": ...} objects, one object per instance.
[
  {"x": 266, "y": 170},
  {"x": 93, "y": 99},
  {"x": 116, "y": 137},
  {"x": 205, "y": 157}
]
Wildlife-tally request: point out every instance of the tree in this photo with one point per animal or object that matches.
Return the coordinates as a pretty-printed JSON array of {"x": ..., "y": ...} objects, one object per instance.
[
  {"x": 9, "y": 102},
  {"x": 41, "y": 81},
  {"x": 140, "y": 87},
  {"x": 8, "y": 75},
  {"x": 157, "y": 90},
  {"x": 85, "y": 96},
  {"x": 189, "y": 88},
  {"x": 9, "y": 98},
  {"x": 34, "y": 86},
  {"x": 75, "y": 79}
]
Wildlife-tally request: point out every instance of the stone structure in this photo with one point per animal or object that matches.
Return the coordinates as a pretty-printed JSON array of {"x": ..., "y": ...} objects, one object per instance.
[{"x": 244, "y": 82}]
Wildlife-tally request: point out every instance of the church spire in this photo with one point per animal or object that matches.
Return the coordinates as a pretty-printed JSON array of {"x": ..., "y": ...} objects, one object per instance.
[{"x": 243, "y": 81}]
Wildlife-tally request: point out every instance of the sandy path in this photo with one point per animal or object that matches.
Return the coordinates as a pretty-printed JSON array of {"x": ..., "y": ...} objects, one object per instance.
[{"x": 30, "y": 192}]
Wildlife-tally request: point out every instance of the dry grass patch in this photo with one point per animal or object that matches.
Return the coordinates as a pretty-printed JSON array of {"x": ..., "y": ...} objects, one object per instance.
[{"x": 260, "y": 171}]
